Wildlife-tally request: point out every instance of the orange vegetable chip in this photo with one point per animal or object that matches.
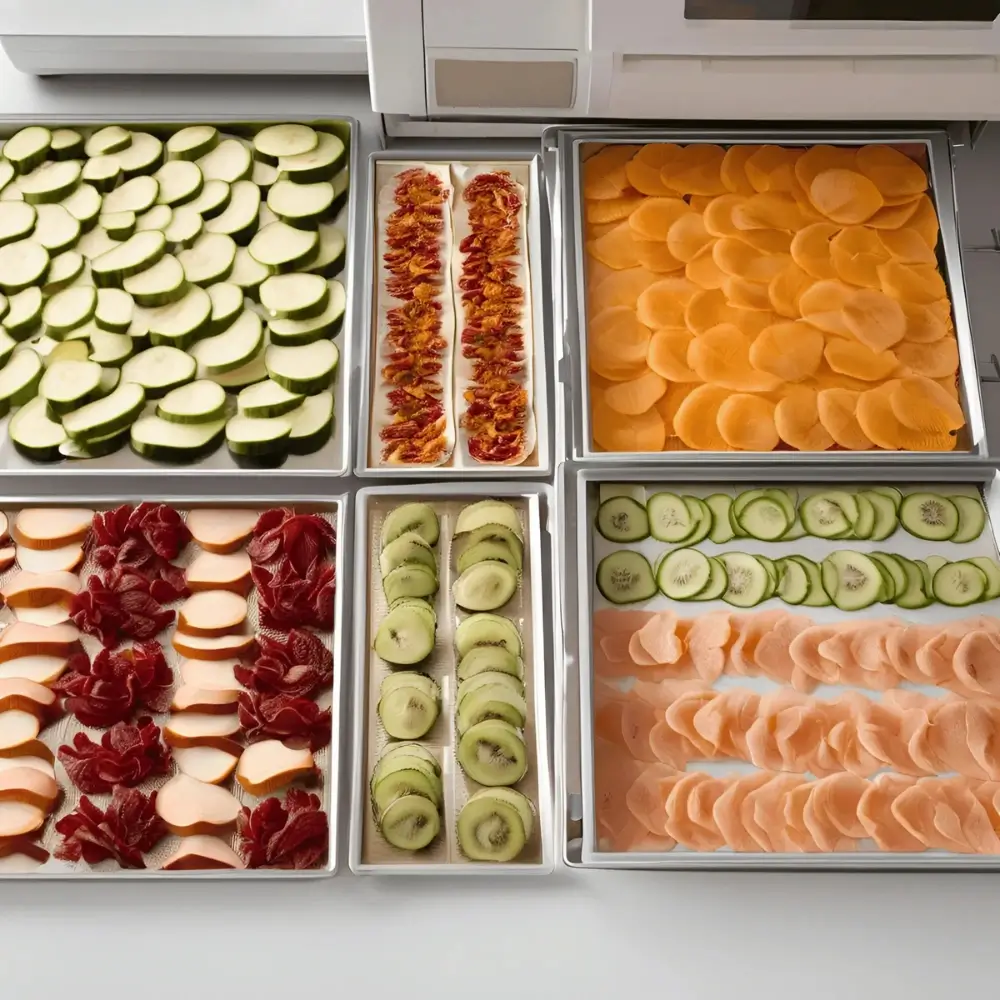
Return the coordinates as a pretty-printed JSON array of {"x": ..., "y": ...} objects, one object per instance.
[
  {"x": 653, "y": 218},
  {"x": 595, "y": 230},
  {"x": 669, "y": 403},
  {"x": 891, "y": 171},
  {"x": 668, "y": 355},
  {"x": 703, "y": 271},
  {"x": 856, "y": 252},
  {"x": 923, "y": 441},
  {"x": 877, "y": 420},
  {"x": 695, "y": 421},
  {"x": 620, "y": 288},
  {"x": 950, "y": 385},
  {"x": 617, "y": 249},
  {"x": 912, "y": 282},
  {"x": 707, "y": 309},
  {"x": 925, "y": 221},
  {"x": 733, "y": 169},
  {"x": 845, "y": 196},
  {"x": 894, "y": 216},
  {"x": 907, "y": 246},
  {"x": 636, "y": 396},
  {"x": 811, "y": 249},
  {"x": 796, "y": 418},
  {"x": 922, "y": 405},
  {"x": 770, "y": 210},
  {"x": 604, "y": 173},
  {"x": 818, "y": 159},
  {"x": 687, "y": 236},
  {"x": 766, "y": 240},
  {"x": 741, "y": 260},
  {"x": 837, "y": 413},
  {"x": 786, "y": 289},
  {"x": 747, "y": 423},
  {"x": 643, "y": 170},
  {"x": 697, "y": 170},
  {"x": 718, "y": 216},
  {"x": 747, "y": 294},
  {"x": 827, "y": 378},
  {"x": 752, "y": 321},
  {"x": 613, "y": 209},
  {"x": 852, "y": 358},
  {"x": 614, "y": 432},
  {"x": 791, "y": 351},
  {"x": 616, "y": 340},
  {"x": 823, "y": 303},
  {"x": 660, "y": 306},
  {"x": 700, "y": 202},
  {"x": 722, "y": 356},
  {"x": 923, "y": 324},
  {"x": 935, "y": 360},
  {"x": 655, "y": 255},
  {"x": 875, "y": 319},
  {"x": 772, "y": 168}
]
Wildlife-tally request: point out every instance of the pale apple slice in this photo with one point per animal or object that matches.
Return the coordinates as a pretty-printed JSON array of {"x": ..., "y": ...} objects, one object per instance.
[
  {"x": 36, "y": 590},
  {"x": 212, "y": 613},
  {"x": 269, "y": 765},
  {"x": 17, "y": 728},
  {"x": 192, "y": 729},
  {"x": 208, "y": 764},
  {"x": 190, "y": 807},
  {"x": 20, "y": 818},
  {"x": 207, "y": 647},
  {"x": 216, "y": 571},
  {"x": 27, "y": 784},
  {"x": 202, "y": 852},
  {"x": 25, "y": 639},
  {"x": 41, "y": 669},
  {"x": 51, "y": 527},
  {"x": 65, "y": 559},
  {"x": 217, "y": 675},
  {"x": 30, "y": 748},
  {"x": 211, "y": 701},
  {"x": 27, "y": 696},
  {"x": 221, "y": 530},
  {"x": 38, "y": 763},
  {"x": 51, "y": 614},
  {"x": 7, "y": 556}
]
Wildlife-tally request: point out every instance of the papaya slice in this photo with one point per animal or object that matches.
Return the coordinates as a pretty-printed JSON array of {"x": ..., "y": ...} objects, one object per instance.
[
  {"x": 769, "y": 210},
  {"x": 653, "y": 218},
  {"x": 876, "y": 320},
  {"x": 912, "y": 282},
  {"x": 935, "y": 360},
  {"x": 707, "y": 309},
  {"x": 660, "y": 306},
  {"x": 604, "y": 175},
  {"x": 844, "y": 196},
  {"x": 617, "y": 342},
  {"x": 894, "y": 216},
  {"x": 620, "y": 288},
  {"x": 696, "y": 419},
  {"x": 907, "y": 246},
  {"x": 613, "y": 209},
  {"x": 796, "y": 418},
  {"x": 856, "y": 252},
  {"x": 920, "y": 404},
  {"x": 733, "y": 170},
  {"x": 617, "y": 249},
  {"x": 790, "y": 351},
  {"x": 923, "y": 324},
  {"x": 766, "y": 240},
  {"x": 656, "y": 256},
  {"x": 615, "y": 433},
  {"x": 924, "y": 220},
  {"x": 636, "y": 396},
  {"x": 703, "y": 271},
  {"x": 643, "y": 170},
  {"x": 877, "y": 420},
  {"x": 818, "y": 159},
  {"x": 668, "y": 355},
  {"x": 785, "y": 290},
  {"x": 722, "y": 356},
  {"x": 669, "y": 403},
  {"x": 772, "y": 168},
  {"x": 746, "y": 423},
  {"x": 747, "y": 294},
  {"x": 892, "y": 172},
  {"x": 696, "y": 171},
  {"x": 822, "y": 304},
  {"x": 850, "y": 357},
  {"x": 837, "y": 410},
  {"x": 687, "y": 236},
  {"x": 718, "y": 215},
  {"x": 811, "y": 250}
]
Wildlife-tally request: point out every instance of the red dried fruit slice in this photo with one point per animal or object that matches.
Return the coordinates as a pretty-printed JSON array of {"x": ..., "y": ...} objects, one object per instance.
[{"x": 290, "y": 834}]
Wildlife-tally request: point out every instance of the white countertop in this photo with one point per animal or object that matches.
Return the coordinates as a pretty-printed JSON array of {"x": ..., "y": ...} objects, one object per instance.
[{"x": 687, "y": 936}]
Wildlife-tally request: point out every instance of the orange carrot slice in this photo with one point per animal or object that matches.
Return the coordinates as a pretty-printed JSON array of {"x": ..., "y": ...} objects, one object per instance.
[
  {"x": 924, "y": 220},
  {"x": 643, "y": 170},
  {"x": 707, "y": 309},
  {"x": 837, "y": 413},
  {"x": 770, "y": 210},
  {"x": 766, "y": 240},
  {"x": 845, "y": 196},
  {"x": 877, "y": 420},
  {"x": 796, "y": 418},
  {"x": 617, "y": 249},
  {"x": 656, "y": 256},
  {"x": 613, "y": 209},
  {"x": 894, "y": 216},
  {"x": 811, "y": 249},
  {"x": 718, "y": 215},
  {"x": 636, "y": 396},
  {"x": 747, "y": 294},
  {"x": 703, "y": 271},
  {"x": 746, "y": 423},
  {"x": 659, "y": 306},
  {"x": 695, "y": 421},
  {"x": 907, "y": 246},
  {"x": 912, "y": 282},
  {"x": 923, "y": 324},
  {"x": 790, "y": 351},
  {"x": 696, "y": 171},
  {"x": 668, "y": 355},
  {"x": 772, "y": 168},
  {"x": 855, "y": 359},
  {"x": 669, "y": 403},
  {"x": 892, "y": 172},
  {"x": 687, "y": 236},
  {"x": 875, "y": 319}
]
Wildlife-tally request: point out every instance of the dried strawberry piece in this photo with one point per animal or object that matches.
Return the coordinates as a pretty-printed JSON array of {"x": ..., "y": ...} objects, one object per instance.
[
  {"x": 126, "y": 755},
  {"x": 287, "y": 599},
  {"x": 119, "y": 604},
  {"x": 298, "y": 665},
  {"x": 297, "y": 722},
  {"x": 290, "y": 834},
  {"x": 110, "y": 526},
  {"x": 127, "y": 828},
  {"x": 300, "y": 539}
]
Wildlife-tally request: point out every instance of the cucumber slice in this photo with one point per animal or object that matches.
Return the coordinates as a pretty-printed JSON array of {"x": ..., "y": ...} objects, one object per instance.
[
  {"x": 212, "y": 201},
  {"x": 865, "y": 524},
  {"x": 683, "y": 574},
  {"x": 17, "y": 220},
  {"x": 701, "y": 515},
  {"x": 6, "y": 174},
  {"x": 285, "y": 140},
  {"x": 22, "y": 264},
  {"x": 67, "y": 385},
  {"x": 158, "y": 285},
  {"x": 928, "y": 576},
  {"x": 895, "y": 569},
  {"x": 63, "y": 271},
  {"x": 239, "y": 378},
  {"x": 24, "y": 313},
  {"x": 195, "y": 403},
  {"x": 281, "y": 248},
  {"x": 929, "y": 516},
  {"x": 119, "y": 225},
  {"x": 159, "y": 369},
  {"x": 764, "y": 519},
  {"x": 258, "y": 436},
  {"x": 622, "y": 519},
  {"x": 229, "y": 161},
  {"x": 180, "y": 181},
  {"x": 33, "y": 434},
  {"x": 181, "y": 323},
  {"x": 51, "y": 181},
  {"x": 94, "y": 448},
  {"x": 299, "y": 332},
  {"x": 307, "y": 370},
  {"x": 137, "y": 253},
  {"x": 795, "y": 531},
  {"x": 184, "y": 229},
  {"x": 102, "y": 171},
  {"x": 608, "y": 491},
  {"x": 319, "y": 164},
  {"x": 793, "y": 582},
  {"x": 823, "y": 517},
  {"x": 890, "y": 493},
  {"x": 720, "y": 505},
  {"x": 19, "y": 380},
  {"x": 817, "y": 597},
  {"x": 209, "y": 260},
  {"x": 192, "y": 142},
  {"x": 158, "y": 217},
  {"x": 227, "y": 304},
  {"x": 55, "y": 229},
  {"x": 109, "y": 415},
  {"x": 7, "y": 345},
  {"x": 913, "y": 596},
  {"x": 247, "y": 274},
  {"x": 958, "y": 583},
  {"x": 27, "y": 148},
  {"x": 142, "y": 156},
  {"x": 773, "y": 575},
  {"x": 239, "y": 220},
  {"x": 110, "y": 139},
  {"x": 747, "y": 580},
  {"x": 95, "y": 243},
  {"x": 971, "y": 518},
  {"x": 111, "y": 350},
  {"x": 332, "y": 253},
  {"x": 137, "y": 195},
  {"x": 115, "y": 310},
  {"x": 69, "y": 309},
  {"x": 85, "y": 205},
  {"x": 341, "y": 182},
  {"x": 744, "y": 499},
  {"x": 164, "y": 441},
  {"x": 264, "y": 175},
  {"x": 855, "y": 579},
  {"x": 11, "y": 193},
  {"x": 312, "y": 424},
  {"x": 232, "y": 349},
  {"x": 886, "y": 521},
  {"x": 625, "y": 577},
  {"x": 295, "y": 296},
  {"x": 669, "y": 518},
  {"x": 992, "y": 573},
  {"x": 268, "y": 399},
  {"x": 301, "y": 205},
  {"x": 67, "y": 144},
  {"x": 718, "y": 582}
]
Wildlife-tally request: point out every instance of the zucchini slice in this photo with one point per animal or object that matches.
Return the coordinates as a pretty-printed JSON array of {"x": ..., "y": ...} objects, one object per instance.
[
  {"x": 51, "y": 181},
  {"x": 22, "y": 264},
  {"x": 142, "y": 156},
  {"x": 69, "y": 309},
  {"x": 229, "y": 161},
  {"x": 239, "y": 220},
  {"x": 161, "y": 440},
  {"x": 95, "y": 243},
  {"x": 109, "y": 415},
  {"x": 95, "y": 447},
  {"x": 214, "y": 198},
  {"x": 195, "y": 403},
  {"x": 19, "y": 380},
  {"x": 319, "y": 164},
  {"x": 297, "y": 332},
  {"x": 764, "y": 519},
  {"x": 84, "y": 204},
  {"x": 625, "y": 577},
  {"x": 63, "y": 271},
  {"x": 192, "y": 142},
  {"x": 159, "y": 369},
  {"x": 332, "y": 254},
  {"x": 24, "y": 313},
  {"x": 55, "y": 228},
  {"x": 239, "y": 378},
  {"x": 227, "y": 304},
  {"x": 231, "y": 349},
  {"x": 267, "y": 399},
  {"x": 27, "y": 148},
  {"x": 115, "y": 309},
  {"x": 17, "y": 220},
  {"x": 312, "y": 424},
  {"x": 111, "y": 350},
  {"x": 158, "y": 285},
  {"x": 180, "y": 181},
  {"x": 793, "y": 582},
  {"x": 295, "y": 296},
  {"x": 102, "y": 171},
  {"x": 137, "y": 253},
  {"x": 67, "y": 385},
  {"x": 110, "y": 139},
  {"x": 255, "y": 437},
  {"x": 971, "y": 518},
  {"x": 992, "y": 573},
  {"x": 282, "y": 248},
  {"x": 7, "y": 345},
  {"x": 284, "y": 140},
  {"x": 720, "y": 504},
  {"x": 185, "y": 227},
  {"x": 158, "y": 217},
  {"x": 181, "y": 323},
  {"x": 137, "y": 195},
  {"x": 264, "y": 175},
  {"x": 247, "y": 273},
  {"x": 854, "y": 579},
  {"x": 33, "y": 434},
  {"x": 308, "y": 370},
  {"x": 301, "y": 205},
  {"x": 209, "y": 260}
]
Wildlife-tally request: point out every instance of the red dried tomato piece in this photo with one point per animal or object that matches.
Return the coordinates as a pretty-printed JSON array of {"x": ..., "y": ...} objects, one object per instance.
[
  {"x": 298, "y": 722},
  {"x": 297, "y": 665},
  {"x": 127, "y": 828},
  {"x": 126, "y": 755},
  {"x": 287, "y": 599},
  {"x": 290, "y": 834},
  {"x": 298, "y": 538}
]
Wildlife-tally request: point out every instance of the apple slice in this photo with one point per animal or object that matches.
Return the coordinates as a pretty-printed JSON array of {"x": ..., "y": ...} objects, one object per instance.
[
  {"x": 38, "y": 763},
  {"x": 41, "y": 669},
  {"x": 206, "y": 674},
  {"x": 212, "y": 613},
  {"x": 7, "y": 556},
  {"x": 221, "y": 530},
  {"x": 20, "y": 818},
  {"x": 27, "y": 784},
  {"x": 269, "y": 765},
  {"x": 206, "y": 647},
  {"x": 190, "y": 807},
  {"x": 64, "y": 559},
  {"x": 27, "y": 696},
  {"x": 51, "y": 527},
  {"x": 208, "y": 764},
  {"x": 36, "y": 590},
  {"x": 216, "y": 571},
  {"x": 17, "y": 728},
  {"x": 25, "y": 639},
  {"x": 201, "y": 852},
  {"x": 191, "y": 729},
  {"x": 51, "y": 614},
  {"x": 211, "y": 701}
]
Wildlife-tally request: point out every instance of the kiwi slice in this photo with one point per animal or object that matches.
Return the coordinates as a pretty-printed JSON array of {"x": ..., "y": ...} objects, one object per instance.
[
  {"x": 493, "y": 753},
  {"x": 408, "y": 548},
  {"x": 408, "y": 705},
  {"x": 415, "y": 517},
  {"x": 405, "y": 781},
  {"x": 485, "y": 586},
  {"x": 418, "y": 604},
  {"x": 404, "y": 637},
  {"x": 485, "y": 512},
  {"x": 410, "y": 823},
  {"x": 492, "y": 533},
  {"x": 495, "y": 824},
  {"x": 481, "y": 659},
  {"x": 493, "y": 701},
  {"x": 485, "y": 679},
  {"x": 409, "y": 580},
  {"x": 487, "y": 630},
  {"x": 486, "y": 551},
  {"x": 417, "y": 754},
  {"x": 929, "y": 516}
]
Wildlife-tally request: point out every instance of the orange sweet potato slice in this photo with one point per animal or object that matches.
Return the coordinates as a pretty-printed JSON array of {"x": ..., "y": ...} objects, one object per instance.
[
  {"x": 653, "y": 218},
  {"x": 747, "y": 294},
  {"x": 752, "y": 321},
  {"x": 856, "y": 252},
  {"x": 718, "y": 215},
  {"x": 907, "y": 246},
  {"x": 659, "y": 306},
  {"x": 697, "y": 171},
  {"x": 695, "y": 421},
  {"x": 687, "y": 236},
  {"x": 920, "y": 404},
  {"x": 822, "y": 304},
  {"x": 837, "y": 413},
  {"x": 746, "y": 423},
  {"x": 668, "y": 355},
  {"x": 785, "y": 290},
  {"x": 894, "y": 216},
  {"x": 656, "y": 256},
  {"x": 818, "y": 159},
  {"x": 875, "y": 319},
  {"x": 796, "y": 418},
  {"x": 845, "y": 196},
  {"x": 604, "y": 173},
  {"x": 923, "y": 324},
  {"x": 617, "y": 343},
  {"x": 636, "y": 396},
  {"x": 790, "y": 351},
  {"x": 614, "y": 432},
  {"x": 855, "y": 359},
  {"x": 811, "y": 249},
  {"x": 700, "y": 202},
  {"x": 669, "y": 403},
  {"x": 827, "y": 378},
  {"x": 733, "y": 170},
  {"x": 772, "y": 168},
  {"x": 936, "y": 360},
  {"x": 722, "y": 356},
  {"x": 766, "y": 240},
  {"x": 770, "y": 210},
  {"x": 741, "y": 260},
  {"x": 595, "y": 230},
  {"x": 877, "y": 420},
  {"x": 912, "y": 282},
  {"x": 643, "y": 170},
  {"x": 613, "y": 209},
  {"x": 702, "y": 269},
  {"x": 620, "y": 288},
  {"x": 617, "y": 249},
  {"x": 891, "y": 171},
  {"x": 924, "y": 220},
  {"x": 707, "y": 309}
]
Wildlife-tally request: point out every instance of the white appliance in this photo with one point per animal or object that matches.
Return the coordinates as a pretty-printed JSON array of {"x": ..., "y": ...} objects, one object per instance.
[
  {"x": 48, "y": 37},
  {"x": 685, "y": 59}
]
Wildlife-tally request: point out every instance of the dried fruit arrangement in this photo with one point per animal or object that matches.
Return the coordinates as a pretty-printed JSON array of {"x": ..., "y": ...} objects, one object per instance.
[
  {"x": 479, "y": 663},
  {"x": 145, "y": 281},
  {"x": 453, "y": 322},
  {"x": 163, "y": 675},
  {"x": 754, "y": 298},
  {"x": 856, "y": 734}
]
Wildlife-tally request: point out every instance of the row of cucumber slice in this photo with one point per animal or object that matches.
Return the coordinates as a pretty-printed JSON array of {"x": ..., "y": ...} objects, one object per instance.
[
  {"x": 774, "y": 514},
  {"x": 848, "y": 579}
]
